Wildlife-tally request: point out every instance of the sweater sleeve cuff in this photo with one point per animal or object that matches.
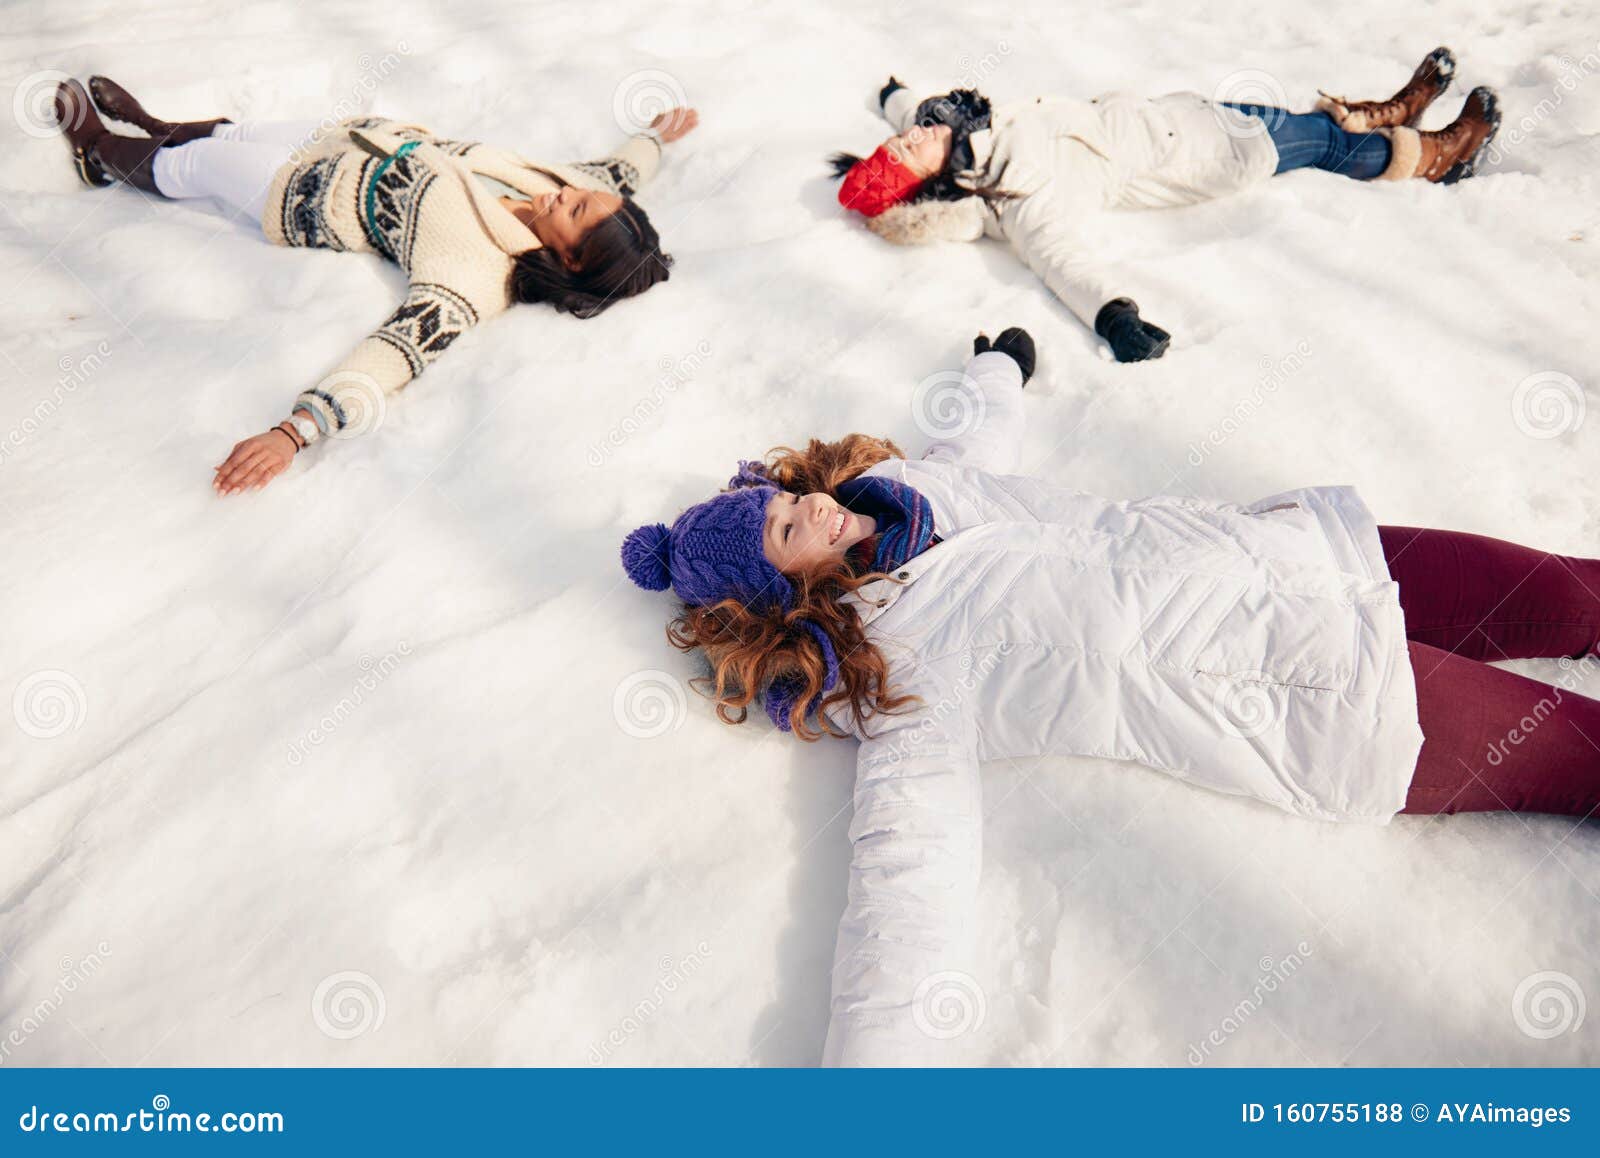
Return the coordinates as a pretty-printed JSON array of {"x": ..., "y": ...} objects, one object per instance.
[{"x": 322, "y": 407}]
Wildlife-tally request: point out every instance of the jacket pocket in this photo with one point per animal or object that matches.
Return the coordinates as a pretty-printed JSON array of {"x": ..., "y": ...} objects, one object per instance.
[{"x": 1282, "y": 637}]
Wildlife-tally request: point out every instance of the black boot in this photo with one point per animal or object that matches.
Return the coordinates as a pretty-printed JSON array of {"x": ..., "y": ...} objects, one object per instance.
[{"x": 119, "y": 104}]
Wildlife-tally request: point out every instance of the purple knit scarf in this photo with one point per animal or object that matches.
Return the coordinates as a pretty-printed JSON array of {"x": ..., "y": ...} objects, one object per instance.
[
  {"x": 904, "y": 521},
  {"x": 903, "y": 515}
]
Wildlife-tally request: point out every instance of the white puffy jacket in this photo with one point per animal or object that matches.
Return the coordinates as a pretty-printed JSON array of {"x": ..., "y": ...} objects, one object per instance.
[
  {"x": 1258, "y": 650},
  {"x": 1064, "y": 160}
]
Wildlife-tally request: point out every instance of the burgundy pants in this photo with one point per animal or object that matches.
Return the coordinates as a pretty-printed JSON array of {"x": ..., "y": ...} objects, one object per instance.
[{"x": 1493, "y": 740}]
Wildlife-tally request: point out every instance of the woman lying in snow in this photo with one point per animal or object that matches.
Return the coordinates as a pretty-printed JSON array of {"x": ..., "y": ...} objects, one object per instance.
[
  {"x": 1034, "y": 172},
  {"x": 946, "y": 610},
  {"x": 477, "y": 229}
]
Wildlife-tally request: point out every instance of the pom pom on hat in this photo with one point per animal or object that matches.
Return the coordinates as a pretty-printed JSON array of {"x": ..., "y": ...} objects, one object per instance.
[
  {"x": 647, "y": 557},
  {"x": 751, "y": 473},
  {"x": 878, "y": 182},
  {"x": 713, "y": 551}
]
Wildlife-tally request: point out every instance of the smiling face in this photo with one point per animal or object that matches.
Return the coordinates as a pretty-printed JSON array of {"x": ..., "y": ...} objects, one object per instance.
[
  {"x": 925, "y": 151},
  {"x": 803, "y": 534},
  {"x": 561, "y": 220}
]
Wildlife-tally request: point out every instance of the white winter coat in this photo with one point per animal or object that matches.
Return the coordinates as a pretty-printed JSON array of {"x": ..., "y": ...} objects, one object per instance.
[
  {"x": 1254, "y": 649},
  {"x": 1065, "y": 160}
]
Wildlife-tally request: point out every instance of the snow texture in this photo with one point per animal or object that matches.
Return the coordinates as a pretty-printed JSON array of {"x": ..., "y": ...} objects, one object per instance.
[{"x": 358, "y": 769}]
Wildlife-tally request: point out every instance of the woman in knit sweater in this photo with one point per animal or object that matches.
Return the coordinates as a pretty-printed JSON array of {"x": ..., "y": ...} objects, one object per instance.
[
  {"x": 477, "y": 229},
  {"x": 1033, "y": 173}
]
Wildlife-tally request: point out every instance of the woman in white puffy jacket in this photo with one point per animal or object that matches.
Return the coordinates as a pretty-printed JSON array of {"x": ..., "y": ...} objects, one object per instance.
[
  {"x": 1034, "y": 172},
  {"x": 946, "y": 610}
]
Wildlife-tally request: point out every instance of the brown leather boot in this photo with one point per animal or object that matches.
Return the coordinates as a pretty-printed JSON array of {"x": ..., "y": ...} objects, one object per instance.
[
  {"x": 128, "y": 159},
  {"x": 119, "y": 104},
  {"x": 102, "y": 157},
  {"x": 1450, "y": 154},
  {"x": 82, "y": 127},
  {"x": 1406, "y": 107}
]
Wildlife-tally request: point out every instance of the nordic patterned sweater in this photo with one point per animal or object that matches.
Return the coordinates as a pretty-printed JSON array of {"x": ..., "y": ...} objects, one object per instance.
[{"x": 423, "y": 209}]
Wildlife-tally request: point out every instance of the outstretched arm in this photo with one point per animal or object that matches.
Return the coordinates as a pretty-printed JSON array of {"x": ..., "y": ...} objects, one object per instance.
[
  {"x": 630, "y": 166},
  {"x": 1044, "y": 232},
  {"x": 899, "y": 982},
  {"x": 898, "y": 104},
  {"x": 981, "y": 407},
  {"x": 352, "y": 400}
]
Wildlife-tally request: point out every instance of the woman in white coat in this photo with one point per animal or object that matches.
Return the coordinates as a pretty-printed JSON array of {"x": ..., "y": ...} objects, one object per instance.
[
  {"x": 1034, "y": 172},
  {"x": 945, "y": 611}
]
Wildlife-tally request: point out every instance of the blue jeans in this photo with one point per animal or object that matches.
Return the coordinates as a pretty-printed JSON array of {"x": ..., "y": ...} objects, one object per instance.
[{"x": 1313, "y": 140}]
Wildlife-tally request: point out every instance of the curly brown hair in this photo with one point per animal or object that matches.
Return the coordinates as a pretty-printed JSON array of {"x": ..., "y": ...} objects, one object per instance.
[{"x": 750, "y": 650}]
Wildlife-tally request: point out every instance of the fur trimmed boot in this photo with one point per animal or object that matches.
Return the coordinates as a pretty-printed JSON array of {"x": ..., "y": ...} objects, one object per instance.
[
  {"x": 100, "y": 155},
  {"x": 1451, "y": 154},
  {"x": 1405, "y": 108},
  {"x": 119, "y": 104}
]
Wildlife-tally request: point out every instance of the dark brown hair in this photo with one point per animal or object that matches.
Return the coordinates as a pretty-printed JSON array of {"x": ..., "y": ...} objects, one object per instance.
[{"x": 620, "y": 257}]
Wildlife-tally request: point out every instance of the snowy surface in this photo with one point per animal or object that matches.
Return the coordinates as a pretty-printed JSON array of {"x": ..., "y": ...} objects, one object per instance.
[{"x": 340, "y": 776}]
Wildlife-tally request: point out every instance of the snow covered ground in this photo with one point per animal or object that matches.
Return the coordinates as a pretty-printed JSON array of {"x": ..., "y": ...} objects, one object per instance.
[{"x": 360, "y": 769}]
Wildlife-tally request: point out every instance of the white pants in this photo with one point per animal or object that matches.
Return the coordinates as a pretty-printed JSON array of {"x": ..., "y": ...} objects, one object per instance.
[{"x": 235, "y": 164}]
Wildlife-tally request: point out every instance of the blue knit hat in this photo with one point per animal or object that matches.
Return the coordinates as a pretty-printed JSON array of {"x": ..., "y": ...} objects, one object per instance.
[{"x": 713, "y": 552}]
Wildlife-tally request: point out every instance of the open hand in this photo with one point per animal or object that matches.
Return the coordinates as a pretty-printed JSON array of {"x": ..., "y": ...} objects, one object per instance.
[
  {"x": 675, "y": 123},
  {"x": 254, "y": 462}
]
